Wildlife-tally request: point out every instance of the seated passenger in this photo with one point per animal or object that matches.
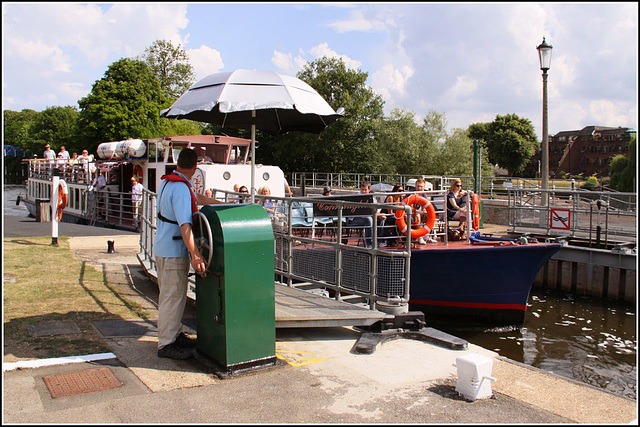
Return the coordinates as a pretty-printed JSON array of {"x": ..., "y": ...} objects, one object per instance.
[
  {"x": 420, "y": 219},
  {"x": 268, "y": 204},
  {"x": 391, "y": 232},
  {"x": 455, "y": 210},
  {"x": 366, "y": 221},
  {"x": 243, "y": 190}
]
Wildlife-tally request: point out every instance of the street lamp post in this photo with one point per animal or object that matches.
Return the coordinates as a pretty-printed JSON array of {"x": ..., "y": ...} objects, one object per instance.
[{"x": 544, "y": 52}]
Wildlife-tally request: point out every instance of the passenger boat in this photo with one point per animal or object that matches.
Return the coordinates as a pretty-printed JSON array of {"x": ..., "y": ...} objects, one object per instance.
[
  {"x": 485, "y": 280},
  {"x": 223, "y": 162},
  {"x": 480, "y": 278}
]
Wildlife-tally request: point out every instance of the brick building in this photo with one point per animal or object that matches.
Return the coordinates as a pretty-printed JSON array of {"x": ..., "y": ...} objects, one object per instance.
[{"x": 584, "y": 152}]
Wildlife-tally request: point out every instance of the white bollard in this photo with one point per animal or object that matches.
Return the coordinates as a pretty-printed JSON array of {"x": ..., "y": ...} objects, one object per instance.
[{"x": 474, "y": 376}]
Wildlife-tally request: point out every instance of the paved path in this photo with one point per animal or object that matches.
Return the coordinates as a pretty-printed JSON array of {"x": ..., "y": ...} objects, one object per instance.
[{"x": 320, "y": 378}]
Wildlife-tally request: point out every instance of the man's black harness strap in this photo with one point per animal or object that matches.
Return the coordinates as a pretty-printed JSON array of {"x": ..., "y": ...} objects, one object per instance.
[{"x": 165, "y": 219}]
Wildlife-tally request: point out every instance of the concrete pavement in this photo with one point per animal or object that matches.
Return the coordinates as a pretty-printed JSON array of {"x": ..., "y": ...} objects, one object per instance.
[{"x": 321, "y": 379}]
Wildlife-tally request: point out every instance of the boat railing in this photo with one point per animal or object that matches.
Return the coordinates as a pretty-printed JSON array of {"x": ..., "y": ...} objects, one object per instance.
[
  {"x": 111, "y": 207},
  {"x": 321, "y": 243},
  {"x": 614, "y": 214},
  {"x": 489, "y": 187},
  {"x": 345, "y": 246},
  {"x": 72, "y": 173},
  {"x": 148, "y": 227}
]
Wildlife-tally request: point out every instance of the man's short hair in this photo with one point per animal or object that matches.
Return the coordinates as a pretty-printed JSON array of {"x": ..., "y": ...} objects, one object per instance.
[
  {"x": 365, "y": 184},
  {"x": 187, "y": 158},
  {"x": 420, "y": 180}
]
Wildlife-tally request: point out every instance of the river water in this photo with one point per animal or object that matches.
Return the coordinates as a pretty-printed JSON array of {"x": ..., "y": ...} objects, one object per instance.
[
  {"x": 588, "y": 340},
  {"x": 591, "y": 341}
]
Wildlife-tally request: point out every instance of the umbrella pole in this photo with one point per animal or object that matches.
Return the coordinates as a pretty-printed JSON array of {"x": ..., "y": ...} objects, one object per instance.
[{"x": 253, "y": 156}]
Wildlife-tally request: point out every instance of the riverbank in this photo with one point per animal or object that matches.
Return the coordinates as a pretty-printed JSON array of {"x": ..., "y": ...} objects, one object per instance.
[{"x": 321, "y": 380}]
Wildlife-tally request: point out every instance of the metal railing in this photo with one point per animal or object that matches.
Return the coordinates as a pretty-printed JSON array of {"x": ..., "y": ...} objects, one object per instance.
[
  {"x": 72, "y": 173},
  {"x": 329, "y": 250},
  {"x": 613, "y": 213},
  {"x": 490, "y": 187},
  {"x": 112, "y": 207}
]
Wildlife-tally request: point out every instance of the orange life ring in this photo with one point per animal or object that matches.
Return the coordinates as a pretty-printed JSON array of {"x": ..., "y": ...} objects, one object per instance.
[
  {"x": 63, "y": 198},
  {"x": 475, "y": 203},
  {"x": 431, "y": 216}
]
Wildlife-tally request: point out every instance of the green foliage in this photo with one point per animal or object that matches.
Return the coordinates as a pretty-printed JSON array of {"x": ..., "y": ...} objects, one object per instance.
[
  {"x": 623, "y": 169},
  {"x": 401, "y": 145},
  {"x": 56, "y": 126},
  {"x": 510, "y": 140},
  {"x": 125, "y": 103},
  {"x": 170, "y": 64},
  {"x": 346, "y": 145},
  {"x": 591, "y": 184},
  {"x": 17, "y": 130}
]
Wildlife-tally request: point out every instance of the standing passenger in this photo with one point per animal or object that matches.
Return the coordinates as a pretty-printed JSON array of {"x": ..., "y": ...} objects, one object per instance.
[
  {"x": 177, "y": 203},
  {"x": 49, "y": 154},
  {"x": 136, "y": 199}
]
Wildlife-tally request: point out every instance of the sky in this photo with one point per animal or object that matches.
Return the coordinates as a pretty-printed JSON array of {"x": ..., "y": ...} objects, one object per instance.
[{"x": 470, "y": 61}]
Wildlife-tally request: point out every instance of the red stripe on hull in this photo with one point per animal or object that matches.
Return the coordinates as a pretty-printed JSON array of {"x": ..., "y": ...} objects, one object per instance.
[{"x": 489, "y": 306}]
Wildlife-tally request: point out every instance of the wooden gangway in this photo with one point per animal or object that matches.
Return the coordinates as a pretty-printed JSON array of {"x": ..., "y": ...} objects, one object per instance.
[{"x": 297, "y": 308}]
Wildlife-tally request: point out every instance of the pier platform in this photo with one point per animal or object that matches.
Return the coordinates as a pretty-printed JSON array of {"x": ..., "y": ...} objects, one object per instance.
[{"x": 320, "y": 379}]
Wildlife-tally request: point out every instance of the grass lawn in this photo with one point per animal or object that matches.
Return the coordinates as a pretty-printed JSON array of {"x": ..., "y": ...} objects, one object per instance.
[{"x": 44, "y": 283}]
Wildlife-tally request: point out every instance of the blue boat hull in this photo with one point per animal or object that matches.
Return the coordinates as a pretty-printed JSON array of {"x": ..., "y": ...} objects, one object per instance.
[{"x": 489, "y": 282}]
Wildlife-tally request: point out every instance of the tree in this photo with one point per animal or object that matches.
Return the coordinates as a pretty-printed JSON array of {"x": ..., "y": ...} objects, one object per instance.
[
  {"x": 125, "y": 103},
  {"x": 17, "y": 130},
  {"x": 400, "y": 142},
  {"x": 170, "y": 64},
  {"x": 623, "y": 169},
  {"x": 346, "y": 145},
  {"x": 56, "y": 126},
  {"x": 510, "y": 141}
]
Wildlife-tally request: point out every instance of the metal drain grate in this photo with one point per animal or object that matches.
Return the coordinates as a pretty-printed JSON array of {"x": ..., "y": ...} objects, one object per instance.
[{"x": 80, "y": 382}]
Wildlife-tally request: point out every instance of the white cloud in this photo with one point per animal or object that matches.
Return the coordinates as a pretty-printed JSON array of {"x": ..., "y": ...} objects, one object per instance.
[
  {"x": 323, "y": 50},
  {"x": 462, "y": 90},
  {"x": 607, "y": 113},
  {"x": 47, "y": 58},
  {"x": 205, "y": 61},
  {"x": 287, "y": 63},
  {"x": 62, "y": 47},
  {"x": 72, "y": 90},
  {"x": 358, "y": 22},
  {"x": 389, "y": 81}
]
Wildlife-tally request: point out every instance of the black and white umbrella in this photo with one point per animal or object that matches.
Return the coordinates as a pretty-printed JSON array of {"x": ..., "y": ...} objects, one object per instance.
[{"x": 263, "y": 100}]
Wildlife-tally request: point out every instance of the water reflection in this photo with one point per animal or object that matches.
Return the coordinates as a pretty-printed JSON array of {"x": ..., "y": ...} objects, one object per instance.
[{"x": 588, "y": 340}]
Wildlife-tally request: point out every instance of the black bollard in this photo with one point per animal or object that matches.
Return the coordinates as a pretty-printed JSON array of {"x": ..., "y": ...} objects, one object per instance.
[{"x": 110, "y": 248}]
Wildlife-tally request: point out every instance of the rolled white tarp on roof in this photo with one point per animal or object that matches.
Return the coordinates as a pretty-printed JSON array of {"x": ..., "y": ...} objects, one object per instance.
[{"x": 121, "y": 149}]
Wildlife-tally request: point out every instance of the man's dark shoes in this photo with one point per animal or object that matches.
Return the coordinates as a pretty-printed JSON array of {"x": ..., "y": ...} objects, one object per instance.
[
  {"x": 172, "y": 351},
  {"x": 184, "y": 341}
]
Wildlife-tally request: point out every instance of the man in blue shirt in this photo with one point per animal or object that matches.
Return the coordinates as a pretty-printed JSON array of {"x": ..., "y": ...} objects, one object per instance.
[{"x": 173, "y": 244}]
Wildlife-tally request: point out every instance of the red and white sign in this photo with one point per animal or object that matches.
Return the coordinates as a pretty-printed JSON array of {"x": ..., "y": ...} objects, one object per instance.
[{"x": 560, "y": 219}]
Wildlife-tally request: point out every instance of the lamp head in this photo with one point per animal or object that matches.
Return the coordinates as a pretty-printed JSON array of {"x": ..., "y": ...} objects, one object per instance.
[{"x": 544, "y": 52}]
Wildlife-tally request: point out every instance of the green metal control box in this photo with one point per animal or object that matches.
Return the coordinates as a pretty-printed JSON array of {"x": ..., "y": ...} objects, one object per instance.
[{"x": 235, "y": 301}]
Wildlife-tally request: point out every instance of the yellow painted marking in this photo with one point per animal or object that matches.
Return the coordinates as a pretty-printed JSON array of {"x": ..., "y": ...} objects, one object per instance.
[
  {"x": 308, "y": 362},
  {"x": 298, "y": 361}
]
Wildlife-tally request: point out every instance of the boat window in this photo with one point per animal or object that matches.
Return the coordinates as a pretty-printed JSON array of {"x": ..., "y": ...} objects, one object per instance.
[
  {"x": 152, "y": 152},
  {"x": 175, "y": 153},
  {"x": 219, "y": 154},
  {"x": 238, "y": 154},
  {"x": 161, "y": 149},
  {"x": 151, "y": 179}
]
